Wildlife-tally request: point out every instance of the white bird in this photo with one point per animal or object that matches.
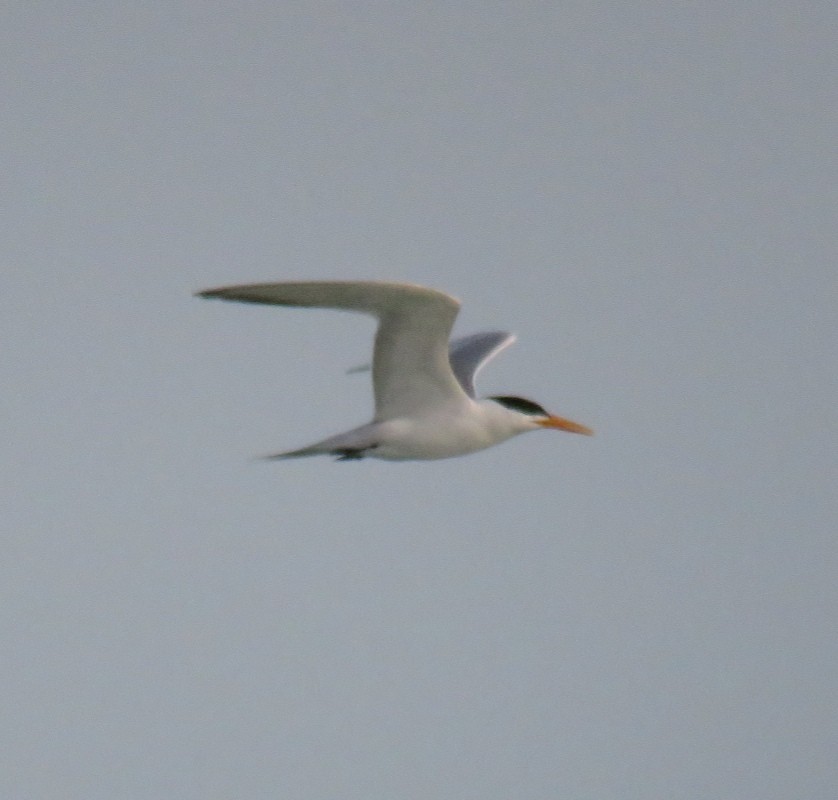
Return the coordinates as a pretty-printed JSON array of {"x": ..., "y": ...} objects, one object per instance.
[{"x": 425, "y": 404}]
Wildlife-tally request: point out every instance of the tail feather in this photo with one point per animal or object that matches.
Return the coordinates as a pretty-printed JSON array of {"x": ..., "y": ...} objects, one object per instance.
[
  {"x": 347, "y": 446},
  {"x": 313, "y": 450}
]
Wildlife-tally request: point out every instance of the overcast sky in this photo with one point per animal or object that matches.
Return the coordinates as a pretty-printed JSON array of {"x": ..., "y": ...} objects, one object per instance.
[{"x": 645, "y": 193}]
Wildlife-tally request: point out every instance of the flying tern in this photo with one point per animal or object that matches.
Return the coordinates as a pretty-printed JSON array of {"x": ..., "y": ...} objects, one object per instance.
[{"x": 425, "y": 403}]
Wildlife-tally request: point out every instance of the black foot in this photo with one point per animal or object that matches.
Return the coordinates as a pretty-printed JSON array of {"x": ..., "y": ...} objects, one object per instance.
[
  {"x": 349, "y": 454},
  {"x": 352, "y": 453}
]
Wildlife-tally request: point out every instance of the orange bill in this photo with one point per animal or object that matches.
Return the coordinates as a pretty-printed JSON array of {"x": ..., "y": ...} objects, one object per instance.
[{"x": 562, "y": 424}]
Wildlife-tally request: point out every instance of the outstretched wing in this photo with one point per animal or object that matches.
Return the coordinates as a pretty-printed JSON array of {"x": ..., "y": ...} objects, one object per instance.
[{"x": 411, "y": 371}]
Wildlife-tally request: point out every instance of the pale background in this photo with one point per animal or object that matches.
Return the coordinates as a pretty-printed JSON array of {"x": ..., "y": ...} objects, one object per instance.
[{"x": 644, "y": 192}]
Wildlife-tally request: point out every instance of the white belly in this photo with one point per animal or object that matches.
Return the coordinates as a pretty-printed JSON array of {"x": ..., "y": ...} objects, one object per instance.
[{"x": 439, "y": 436}]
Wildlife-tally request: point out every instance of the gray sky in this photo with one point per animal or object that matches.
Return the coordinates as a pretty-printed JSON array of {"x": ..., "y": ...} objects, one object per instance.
[{"x": 645, "y": 193}]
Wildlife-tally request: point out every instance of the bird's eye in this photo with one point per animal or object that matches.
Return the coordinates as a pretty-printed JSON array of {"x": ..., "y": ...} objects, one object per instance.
[{"x": 520, "y": 405}]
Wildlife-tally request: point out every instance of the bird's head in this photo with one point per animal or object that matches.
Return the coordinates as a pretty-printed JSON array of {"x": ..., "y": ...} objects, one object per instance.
[{"x": 538, "y": 417}]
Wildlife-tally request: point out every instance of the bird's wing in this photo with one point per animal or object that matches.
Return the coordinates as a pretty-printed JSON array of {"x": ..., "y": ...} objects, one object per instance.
[
  {"x": 469, "y": 354},
  {"x": 411, "y": 371}
]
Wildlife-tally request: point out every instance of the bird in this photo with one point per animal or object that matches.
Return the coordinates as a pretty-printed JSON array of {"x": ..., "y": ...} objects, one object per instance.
[{"x": 425, "y": 401}]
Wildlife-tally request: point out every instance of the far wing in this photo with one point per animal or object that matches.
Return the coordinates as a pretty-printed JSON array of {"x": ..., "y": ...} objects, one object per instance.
[
  {"x": 469, "y": 354},
  {"x": 411, "y": 372}
]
